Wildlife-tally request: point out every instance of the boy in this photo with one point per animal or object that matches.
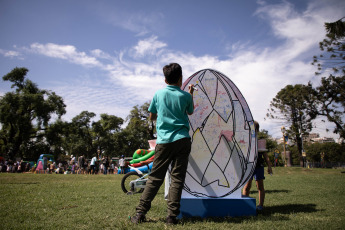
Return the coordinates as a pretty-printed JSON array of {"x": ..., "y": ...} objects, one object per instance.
[
  {"x": 170, "y": 107},
  {"x": 259, "y": 175}
]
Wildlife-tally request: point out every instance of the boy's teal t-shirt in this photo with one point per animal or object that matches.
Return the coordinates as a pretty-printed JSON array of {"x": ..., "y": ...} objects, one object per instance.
[{"x": 171, "y": 105}]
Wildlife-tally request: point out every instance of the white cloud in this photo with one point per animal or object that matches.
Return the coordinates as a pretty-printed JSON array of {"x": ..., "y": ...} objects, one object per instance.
[
  {"x": 299, "y": 30},
  {"x": 148, "y": 46},
  {"x": 67, "y": 52},
  {"x": 100, "y": 54},
  {"x": 11, "y": 54},
  {"x": 98, "y": 96}
]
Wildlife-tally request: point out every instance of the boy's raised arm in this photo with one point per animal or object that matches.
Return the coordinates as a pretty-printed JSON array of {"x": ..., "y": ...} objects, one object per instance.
[{"x": 191, "y": 91}]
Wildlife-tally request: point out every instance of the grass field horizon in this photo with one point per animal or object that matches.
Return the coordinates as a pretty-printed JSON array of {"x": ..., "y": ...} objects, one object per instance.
[{"x": 296, "y": 198}]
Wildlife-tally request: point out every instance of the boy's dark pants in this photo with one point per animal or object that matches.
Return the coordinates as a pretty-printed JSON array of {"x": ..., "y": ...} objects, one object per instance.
[{"x": 177, "y": 154}]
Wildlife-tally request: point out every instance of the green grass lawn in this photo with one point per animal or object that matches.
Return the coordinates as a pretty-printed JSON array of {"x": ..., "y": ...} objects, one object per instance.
[{"x": 296, "y": 198}]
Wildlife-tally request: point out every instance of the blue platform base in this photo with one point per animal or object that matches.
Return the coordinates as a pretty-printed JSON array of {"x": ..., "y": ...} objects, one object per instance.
[{"x": 216, "y": 207}]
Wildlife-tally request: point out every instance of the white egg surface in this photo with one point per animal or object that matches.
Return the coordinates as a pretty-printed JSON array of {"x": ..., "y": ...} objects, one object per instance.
[{"x": 223, "y": 136}]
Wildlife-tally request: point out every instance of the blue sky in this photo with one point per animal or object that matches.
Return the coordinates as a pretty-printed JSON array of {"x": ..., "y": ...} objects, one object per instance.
[{"x": 107, "y": 56}]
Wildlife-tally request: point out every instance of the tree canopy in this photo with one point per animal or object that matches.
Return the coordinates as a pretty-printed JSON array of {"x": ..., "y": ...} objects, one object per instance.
[
  {"x": 31, "y": 124},
  {"x": 28, "y": 128},
  {"x": 290, "y": 108},
  {"x": 329, "y": 98},
  {"x": 25, "y": 114}
]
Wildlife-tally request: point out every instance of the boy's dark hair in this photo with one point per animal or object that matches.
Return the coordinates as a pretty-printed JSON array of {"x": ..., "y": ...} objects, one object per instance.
[{"x": 172, "y": 73}]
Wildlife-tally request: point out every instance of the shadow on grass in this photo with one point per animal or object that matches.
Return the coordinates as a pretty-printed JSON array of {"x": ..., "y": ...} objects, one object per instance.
[
  {"x": 289, "y": 209},
  {"x": 268, "y": 211},
  {"x": 272, "y": 191},
  {"x": 22, "y": 183}
]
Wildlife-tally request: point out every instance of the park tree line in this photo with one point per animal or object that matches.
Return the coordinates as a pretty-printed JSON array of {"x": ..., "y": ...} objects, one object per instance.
[
  {"x": 333, "y": 153},
  {"x": 31, "y": 125},
  {"x": 297, "y": 106}
]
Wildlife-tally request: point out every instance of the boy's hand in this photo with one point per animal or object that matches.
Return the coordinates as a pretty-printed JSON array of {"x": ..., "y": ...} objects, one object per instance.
[{"x": 191, "y": 89}]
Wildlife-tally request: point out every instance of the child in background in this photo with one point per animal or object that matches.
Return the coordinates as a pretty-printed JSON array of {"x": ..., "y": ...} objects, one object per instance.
[
  {"x": 122, "y": 164},
  {"x": 259, "y": 175}
]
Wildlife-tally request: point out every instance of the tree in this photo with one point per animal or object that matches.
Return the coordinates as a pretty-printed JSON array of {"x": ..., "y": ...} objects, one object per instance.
[
  {"x": 329, "y": 98},
  {"x": 141, "y": 116},
  {"x": 56, "y": 138},
  {"x": 337, "y": 28},
  {"x": 334, "y": 48},
  {"x": 125, "y": 143},
  {"x": 290, "y": 108},
  {"x": 104, "y": 131},
  {"x": 79, "y": 135},
  {"x": 139, "y": 129},
  {"x": 25, "y": 114},
  {"x": 333, "y": 152}
]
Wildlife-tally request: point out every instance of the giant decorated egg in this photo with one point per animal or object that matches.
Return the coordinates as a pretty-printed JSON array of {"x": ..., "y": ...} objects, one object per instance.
[{"x": 223, "y": 154}]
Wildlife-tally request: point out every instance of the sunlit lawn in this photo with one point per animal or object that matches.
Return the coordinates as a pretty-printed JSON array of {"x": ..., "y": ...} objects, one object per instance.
[{"x": 296, "y": 198}]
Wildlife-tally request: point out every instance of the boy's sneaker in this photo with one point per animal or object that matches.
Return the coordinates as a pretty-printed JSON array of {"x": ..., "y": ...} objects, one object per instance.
[
  {"x": 138, "y": 218},
  {"x": 259, "y": 208},
  {"x": 171, "y": 220}
]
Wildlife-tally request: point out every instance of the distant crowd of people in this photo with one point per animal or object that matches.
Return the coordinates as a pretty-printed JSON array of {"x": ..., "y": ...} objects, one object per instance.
[
  {"x": 94, "y": 166},
  {"x": 79, "y": 165},
  {"x": 14, "y": 167}
]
